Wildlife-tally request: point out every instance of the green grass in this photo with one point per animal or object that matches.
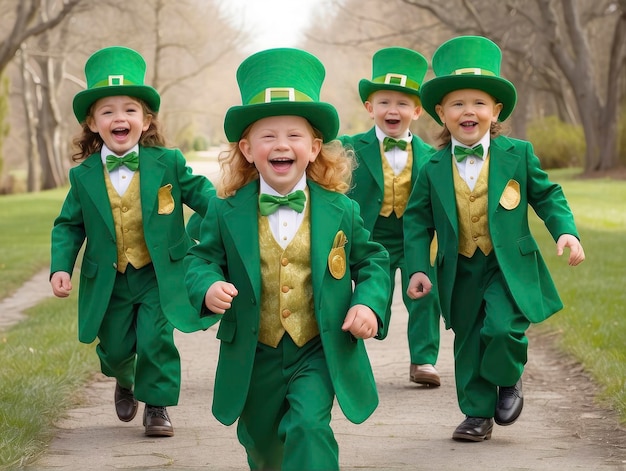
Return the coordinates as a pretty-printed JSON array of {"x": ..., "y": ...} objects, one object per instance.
[
  {"x": 26, "y": 221},
  {"x": 45, "y": 368},
  {"x": 592, "y": 326}
]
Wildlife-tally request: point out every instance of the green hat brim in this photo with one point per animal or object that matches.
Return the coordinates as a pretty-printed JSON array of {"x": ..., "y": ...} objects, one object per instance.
[
  {"x": 83, "y": 100},
  {"x": 322, "y": 116},
  {"x": 366, "y": 88},
  {"x": 500, "y": 89}
]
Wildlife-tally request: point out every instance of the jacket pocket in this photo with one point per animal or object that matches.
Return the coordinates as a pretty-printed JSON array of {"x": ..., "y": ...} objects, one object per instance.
[
  {"x": 88, "y": 269},
  {"x": 527, "y": 245},
  {"x": 179, "y": 250},
  {"x": 226, "y": 331}
]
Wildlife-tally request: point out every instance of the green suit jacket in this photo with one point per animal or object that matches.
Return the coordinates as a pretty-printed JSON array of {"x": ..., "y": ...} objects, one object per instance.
[
  {"x": 432, "y": 206},
  {"x": 368, "y": 181},
  {"x": 229, "y": 250},
  {"x": 86, "y": 215}
]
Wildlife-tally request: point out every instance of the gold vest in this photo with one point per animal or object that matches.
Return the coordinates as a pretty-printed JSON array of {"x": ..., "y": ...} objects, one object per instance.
[
  {"x": 397, "y": 188},
  {"x": 286, "y": 286},
  {"x": 131, "y": 245},
  {"x": 472, "y": 213}
]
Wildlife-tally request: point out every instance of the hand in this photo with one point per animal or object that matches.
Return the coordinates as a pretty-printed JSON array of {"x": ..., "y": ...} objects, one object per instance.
[
  {"x": 361, "y": 322},
  {"x": 576, "y": 252},
  {"x": 219, "y": 296},
  {"x": 61, "y": 283},
  {"x": 419, "y": 285}
]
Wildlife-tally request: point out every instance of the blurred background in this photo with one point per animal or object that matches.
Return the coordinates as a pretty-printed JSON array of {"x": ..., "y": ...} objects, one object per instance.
[{"x": 567, "y": 59}]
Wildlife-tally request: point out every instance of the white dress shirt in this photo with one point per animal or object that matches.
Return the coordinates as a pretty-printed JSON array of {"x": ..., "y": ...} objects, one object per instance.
[
  {"x": 121, "y": 176},
  {"x": 470, "y": 168},
  {"x": 396, "y": 157},
  {"x": 285, "y": 222}
]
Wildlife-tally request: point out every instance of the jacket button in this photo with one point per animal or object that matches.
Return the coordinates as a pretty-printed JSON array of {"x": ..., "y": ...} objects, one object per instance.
[{"x": 286, "y": 313}]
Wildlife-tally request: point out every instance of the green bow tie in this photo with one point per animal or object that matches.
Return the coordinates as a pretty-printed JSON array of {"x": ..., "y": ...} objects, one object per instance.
[
  {"x": 460, "y": 153},
  {"x": 131, "y": 160},
  {"x": 389, "y": 143},
  {"x": 269, "y": 204}
]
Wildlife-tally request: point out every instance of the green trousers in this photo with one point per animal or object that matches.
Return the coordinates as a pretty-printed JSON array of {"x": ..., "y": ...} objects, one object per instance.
[
  {"x": 490, "y": 343},
  {"x": 423, "y": 329},
  {"x": 285, "y": 423},
  {"x": 136, "y": 342}
]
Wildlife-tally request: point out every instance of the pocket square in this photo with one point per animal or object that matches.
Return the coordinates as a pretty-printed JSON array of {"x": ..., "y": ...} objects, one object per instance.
[
  {"x": 511, "y": 195},
  {"x": 166, "y": 201}
]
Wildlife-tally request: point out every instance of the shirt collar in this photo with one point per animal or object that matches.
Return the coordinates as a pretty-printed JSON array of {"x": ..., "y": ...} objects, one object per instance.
[
  {"x": 106, "y": 151},
  {"x": 381, "y": 135},
  {"x": 267, "y": 189},
  {"x": 485, "y": 141}
]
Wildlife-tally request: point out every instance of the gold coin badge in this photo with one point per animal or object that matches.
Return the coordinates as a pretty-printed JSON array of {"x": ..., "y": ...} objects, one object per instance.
[{"x": 337, "y": 256}]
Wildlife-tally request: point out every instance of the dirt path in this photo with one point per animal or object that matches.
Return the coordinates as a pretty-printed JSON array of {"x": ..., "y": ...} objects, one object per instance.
[{"x": 560, "y": 429}]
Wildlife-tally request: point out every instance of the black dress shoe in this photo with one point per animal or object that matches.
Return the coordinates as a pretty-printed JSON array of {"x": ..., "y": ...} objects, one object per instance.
[
  {"x": 510, "y": 404},
  {"x": 474, "y": 429},
  {"x": 157, "y": 422},
  {"x": 125, "y": 403}
]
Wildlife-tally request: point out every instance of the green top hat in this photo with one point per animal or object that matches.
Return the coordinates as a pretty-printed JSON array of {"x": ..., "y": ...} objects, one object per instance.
[
  {"x": 279, "y": 82},
  {"x": 468, "y": 62},
  {"x": 395, "y": 68},
  {"x": 114, "y": 71}
]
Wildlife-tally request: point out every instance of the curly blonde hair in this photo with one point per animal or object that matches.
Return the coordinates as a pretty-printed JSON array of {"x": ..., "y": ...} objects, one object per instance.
[{"x": 332, "y": 169}]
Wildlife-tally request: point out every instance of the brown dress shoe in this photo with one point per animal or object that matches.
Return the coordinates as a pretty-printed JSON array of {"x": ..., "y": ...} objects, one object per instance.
[
  {"x": 510, "y": 404},
  {"x": 473, "y": 429},
  {"x": 157, "y": 422},
  {"x": 125, "y": 403},
  {"x": 424, "y": 374}
]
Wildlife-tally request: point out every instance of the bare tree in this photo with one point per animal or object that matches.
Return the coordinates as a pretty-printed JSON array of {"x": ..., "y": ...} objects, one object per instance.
[
  {"x": 28, "y": 22},
  {"x": 180, "y": 49},
  {"x": 562, "y": 32}
]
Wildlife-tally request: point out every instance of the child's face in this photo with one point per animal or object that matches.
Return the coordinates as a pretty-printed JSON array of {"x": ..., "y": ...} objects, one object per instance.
[
  {"x": 393, "y": 111},
  {"x": 119, "y": 120},
  {"x": 468, "y": 114},
  {"x": 281, "y": 148}
]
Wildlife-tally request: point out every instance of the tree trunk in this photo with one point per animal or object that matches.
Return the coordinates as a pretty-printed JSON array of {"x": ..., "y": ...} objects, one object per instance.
[{"x": 32, "y": 175}]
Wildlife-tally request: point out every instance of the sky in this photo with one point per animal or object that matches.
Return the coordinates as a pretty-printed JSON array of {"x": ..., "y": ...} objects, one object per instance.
[{"x": 273, "y": 23}]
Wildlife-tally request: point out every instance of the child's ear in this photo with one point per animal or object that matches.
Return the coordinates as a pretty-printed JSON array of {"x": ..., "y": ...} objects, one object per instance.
[
  {"x": 496, "y": 112},
  {"x": 316, "y": 148},
  {"x": 147, "y": 120},
  {"x": 439, "y": 111},
  {"x": 91, "y": 123},
  {"x": 244, "y": 147},
  {"x": 369, "y": 107},
  {"x": 417, "y": 112}
]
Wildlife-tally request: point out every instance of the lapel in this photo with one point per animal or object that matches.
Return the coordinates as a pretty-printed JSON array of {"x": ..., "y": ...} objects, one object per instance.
[
  {"x": 443, "y": 183},
  {"x": 502, "y": 167},
  {"x": 369, "y": 151},
  {"x": 240, "y": 218},
  {"x": 151, "y": 171},
  {"x": 92, "y": 176},
  {"x": 326, "y": 217}
]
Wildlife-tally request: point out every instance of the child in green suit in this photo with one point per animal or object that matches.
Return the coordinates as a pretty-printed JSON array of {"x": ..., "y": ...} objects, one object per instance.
[
  {"x": 125, "y": 201},
  {"x": 389, "y": 158},
  {"x": 475, "y": 192},
  {"x": 284, "y": 257}
]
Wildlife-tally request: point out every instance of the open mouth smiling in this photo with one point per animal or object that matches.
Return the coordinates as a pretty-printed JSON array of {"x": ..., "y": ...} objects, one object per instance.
[
  {"x": 281, "y": 163},
  {"x": 120, "y": 132}
]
